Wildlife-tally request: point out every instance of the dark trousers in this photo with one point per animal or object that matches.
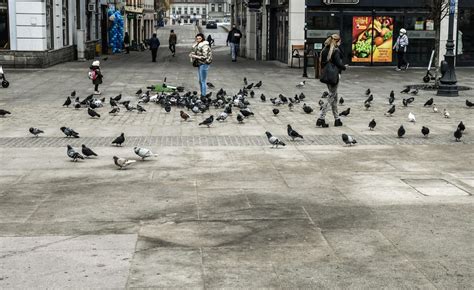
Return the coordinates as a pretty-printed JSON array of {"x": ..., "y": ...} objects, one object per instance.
[
  {"x": 127, "y": 49},
  {"x": 173, "y": 48},
  {"x": 96, "y": 87},
  {"x": 154, "y": 51},
  {"x": 402, "y": 62}
]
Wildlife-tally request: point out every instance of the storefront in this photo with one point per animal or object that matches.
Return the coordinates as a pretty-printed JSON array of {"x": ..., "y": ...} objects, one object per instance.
[
  {"x": 465, "y": 35},
  {"x": 370, "y": 28},
  {"x": 278, "y": 30}
]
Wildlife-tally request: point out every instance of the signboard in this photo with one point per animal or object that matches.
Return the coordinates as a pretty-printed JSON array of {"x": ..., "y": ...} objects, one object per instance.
[
  {"x": 372, "y": 39},
  {"x": 320, "y": 33}
]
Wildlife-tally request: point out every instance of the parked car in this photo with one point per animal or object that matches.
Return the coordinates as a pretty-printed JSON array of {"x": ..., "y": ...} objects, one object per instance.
[{"x": 211, "y": 24}]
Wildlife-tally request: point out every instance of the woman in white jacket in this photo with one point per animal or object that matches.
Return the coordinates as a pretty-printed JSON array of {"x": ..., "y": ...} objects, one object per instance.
[
  {"x": 401, "y": 48},
  {"x": 201, "y": 56}
]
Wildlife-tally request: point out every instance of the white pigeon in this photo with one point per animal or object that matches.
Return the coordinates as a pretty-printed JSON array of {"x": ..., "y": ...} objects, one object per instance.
[
  {"x": 411, "y": 117},
  {"x": 222, "y": 116},
  {"x": 122, "y": 162},
  {"x": 143, "y": 152},
  {"x": 97, "y": 103},
  {"x": 446, "y": 113},
  {"x": 348, "y": 139},
  {"x": 154, "y": 98},
  {"x": 435, "y": 109},
  {"x": 301, "y": 84}
]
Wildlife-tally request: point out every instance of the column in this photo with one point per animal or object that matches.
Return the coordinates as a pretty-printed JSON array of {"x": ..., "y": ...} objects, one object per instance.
[
  {"x": 443, "y": 33},
  {"x": 251, "y": 35},
  {"x": 296, "y": 23}
]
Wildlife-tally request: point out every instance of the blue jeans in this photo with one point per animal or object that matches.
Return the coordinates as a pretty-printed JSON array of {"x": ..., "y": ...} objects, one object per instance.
[
  {"x": 202, "y": 70},
  {"x": 234, "y": 48}
]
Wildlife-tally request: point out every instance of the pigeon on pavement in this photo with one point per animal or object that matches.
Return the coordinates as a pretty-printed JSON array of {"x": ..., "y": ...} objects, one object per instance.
[
  {"x": 307, "y": 109},
  {"x": 119, "y": 140},
  {"x": 292, "y": 133},
  {"x": 274, "y": 140},
  {"x": 143, "y": 152},
  {"x": 446, "y": 114},
  {"x": 69, "y": 132},
  {"x": 115, "y": 111},
  {"x": 122, "y": 162},
  {"x": 345, "y": 113},
  {"x": 425, "y": 131},
  {"x": 183, "y": 115},
  {"x": 73, "y": 154},
  {"x": 458, "y": 135},
  {"x": 469, "y": 104},
  {"x": 4, "y": 112},
  {"x": 372, "y": 124},
  {"x": 275, "y": 111},
  {"x": 348, "y": 139},
  {"x": 461, "y": 126},
  {"x": 301, "y": 84},
  {"x": 67, "y": 102},
  {"x": 36, "y": 131},
  {"x": 401, "y": 132},
  {"x": 87, "y": 151},
  {"x": 411, "y": 117},
  {"x": 429, "y": 103},
  {"x": 208, "y": 121},
  {"x": 390, "y": 111},
  {"x": 93, "y": 113}
]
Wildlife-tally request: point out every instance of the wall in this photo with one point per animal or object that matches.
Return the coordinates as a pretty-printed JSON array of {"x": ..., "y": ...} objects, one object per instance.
[
  {"x": 36, "y": 59},
  {"x": 296, "y": 22},
  {"x": 30, "y": 30}
]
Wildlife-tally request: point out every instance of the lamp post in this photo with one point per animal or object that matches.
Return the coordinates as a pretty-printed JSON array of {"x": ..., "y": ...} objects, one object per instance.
[{"x": 448, "y": 82}]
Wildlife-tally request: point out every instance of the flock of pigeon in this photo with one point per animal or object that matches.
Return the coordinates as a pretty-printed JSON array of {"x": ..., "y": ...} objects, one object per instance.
[{"x": 191, "y": 102}]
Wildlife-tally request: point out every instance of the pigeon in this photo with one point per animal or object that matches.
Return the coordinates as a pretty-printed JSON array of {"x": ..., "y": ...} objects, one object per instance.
[
  {"x": 372, "y": 124},
  {"x": 73, "y": 93},
  {"x": 143, "y": 152},
  {"x": 87, "y": 151},
  {"x": 345, "y": 113},
  {"x": 292, "y": 133},
  {"x": 222, "y": 117},
  {"x": 117, "y": 98},
  {"x": 4, "y": 112},
  {"x": 461, "y": 127},
  {"x": 36, "y": 131},
  {"x": 390, "y": 111},
  {"x": 258, "y": 85},
  {"x": 425, "y": 131},
  {"x": 139, "y": 92},
  {"x": 283, "y": 99},
  {"x": 167, "y": 108},
  {"x": 307, "y": 109},
  {"x": 113, "y": 103},
  {"x": 263, "y": 98},
  {"x": 67, "y": 102},
  {"x": 210, "y": 85},
  {"x": 401, "y": 132},
  {"x": 301, "y": 84},
  {"x": 208, "y": 121},
  {"x": 69, "y": 132},
  {"x": 115, "y": 111},
  {"x": 183, "y": 115},
  {"x": 411, "y": 117},
  {"x": 274, "y": 140},
  {"x": 246, "y": 113},
  {"x": 93, "y": 113},
  {"x": 348, "y": 139},
  {"x": 119, "y": 140},
  {"x": 73, "y": 154},
  {"x": 429, "y": 103},
  {"x": 369, "y": 99},
  {"x": 275, "y": 111},
  {"x": 252, "y": 94},
  {"x": 240, "y": 118},
  {"x": 446, "y": 114},
  {"x": 414, "y": 92},
  {"x": 325, "y": 94},
  {"x": 406, "y": 90},
  {"x": 290, "y": 106},
  {"x": 391, "y": 99},
  {"x": 409, "y": 101},
  {"x": 140, "y": 109},
  {"x": 458, "y": 135},
  {"x": 249, "y": 87},
  {"x": 245, "y": 81},
  {"x": 341, "y": 101},
  {"x": 122, "y": 162},
  {"x": 469, "y": 104},
  {"x": 367, "y": 106},
  {"x": 367, "y": 92},
  {"x": 435, "y": 109},
  {"x": 321, "y": 104}
]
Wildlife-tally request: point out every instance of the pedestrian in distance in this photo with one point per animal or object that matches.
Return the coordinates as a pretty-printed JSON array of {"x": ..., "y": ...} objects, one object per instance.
[
  {"x": 96, "y": 76},
  {"x": 154, "y": 45},
  {"x": 172, "y": 42},
  {"x": 126, "y": 42},
  {"x": 331, "y": 56},
  {"x": 210, "y": 40},
  {"x": 233, "y": 38},
  {"x": 201, "y": 57},
  {"x": 401, "y": 48}
]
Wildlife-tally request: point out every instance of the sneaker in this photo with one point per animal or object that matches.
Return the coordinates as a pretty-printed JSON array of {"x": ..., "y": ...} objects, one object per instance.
[
  {"x": 97, "y": 93},
  {"x": 398, "y": 69},
  {"x": 337, "y": 123},
  {"x": 321, "y": 123}
]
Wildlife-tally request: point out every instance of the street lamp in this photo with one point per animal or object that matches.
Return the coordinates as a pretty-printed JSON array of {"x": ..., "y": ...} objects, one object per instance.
[{"x": 448, "y": 83}]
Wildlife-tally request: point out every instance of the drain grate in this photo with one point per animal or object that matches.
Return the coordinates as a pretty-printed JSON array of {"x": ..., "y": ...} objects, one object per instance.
[{"x": 435, "y": 187}]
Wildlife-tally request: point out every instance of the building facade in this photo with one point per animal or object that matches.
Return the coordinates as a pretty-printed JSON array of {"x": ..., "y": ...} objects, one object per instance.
[
  {"x": 188, "y": 12},
  {"x": 219, "y": 10},
  {"x": 140, "y": 19}
]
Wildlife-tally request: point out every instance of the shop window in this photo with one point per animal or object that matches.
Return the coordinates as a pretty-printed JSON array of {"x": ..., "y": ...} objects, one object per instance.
[{"x": 4, "y": 33}]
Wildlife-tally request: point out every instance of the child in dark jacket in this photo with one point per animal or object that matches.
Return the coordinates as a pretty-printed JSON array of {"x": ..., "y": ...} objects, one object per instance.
[{"x": 96, "y": 76}]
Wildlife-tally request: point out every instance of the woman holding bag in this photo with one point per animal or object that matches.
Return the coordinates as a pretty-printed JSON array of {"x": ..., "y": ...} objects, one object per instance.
[
  {"x": 331, "y": 65},
  {"x": 201, "y": 56}
]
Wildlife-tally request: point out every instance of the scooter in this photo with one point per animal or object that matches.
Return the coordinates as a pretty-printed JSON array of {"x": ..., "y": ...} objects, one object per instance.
[
  {"x": 429, "y": 76},
  {"x": 5, "y": 83}
]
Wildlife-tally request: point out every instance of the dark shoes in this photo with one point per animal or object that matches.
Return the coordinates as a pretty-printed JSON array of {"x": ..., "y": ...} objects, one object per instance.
[
  {"x": 234, "y": 60},
  {"x": 321, "y": 123},
  {"x": 337, "y": 123}
]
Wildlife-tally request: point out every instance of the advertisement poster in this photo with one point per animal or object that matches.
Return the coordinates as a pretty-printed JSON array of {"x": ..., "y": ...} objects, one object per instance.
[{"x": 364, "y": 32}]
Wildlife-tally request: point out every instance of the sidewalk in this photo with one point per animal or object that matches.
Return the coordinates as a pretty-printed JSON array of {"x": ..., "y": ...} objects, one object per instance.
[{"x": 218, "y": 208}]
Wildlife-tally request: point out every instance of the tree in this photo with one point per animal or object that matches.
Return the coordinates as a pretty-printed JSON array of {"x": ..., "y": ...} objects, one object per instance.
[{"x": 439, "y": 9}]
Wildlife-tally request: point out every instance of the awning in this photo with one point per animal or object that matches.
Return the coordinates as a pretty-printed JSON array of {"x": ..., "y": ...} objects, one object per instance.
[{"x": 132, "y": 9}]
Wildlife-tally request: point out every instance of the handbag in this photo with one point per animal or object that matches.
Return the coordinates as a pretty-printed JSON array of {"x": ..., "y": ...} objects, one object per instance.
[
  {"x": 330, "y": 74},
  {"x": 196, "y": 63}
]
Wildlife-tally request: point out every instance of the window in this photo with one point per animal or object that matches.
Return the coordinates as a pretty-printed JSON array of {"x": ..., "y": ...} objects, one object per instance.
[
  {"x": 204, "y": 11},
  {"x": 65, "y": 23},
  {"x": 197, "y": 10},
  {"x": 174, "y": 10},
  {"x": 49, "y": 24},
  {"x": 191, "y": 10},
  {"x": 179, "y": 10},
  {"x": 4, "y": 33},
  {"x": 213, "y": 7},
  {"x": 219, "y": 8},
  {"x": 185, "y": 10}
]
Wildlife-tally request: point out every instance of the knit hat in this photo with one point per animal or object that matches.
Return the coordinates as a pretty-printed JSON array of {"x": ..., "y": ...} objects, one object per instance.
[
  {"x": 403, "y": 31},
  {"x": 96, "y": 63}
]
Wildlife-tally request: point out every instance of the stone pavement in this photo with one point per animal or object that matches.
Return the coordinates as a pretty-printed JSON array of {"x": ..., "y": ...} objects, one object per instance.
[{"x": 218, "y": 208}]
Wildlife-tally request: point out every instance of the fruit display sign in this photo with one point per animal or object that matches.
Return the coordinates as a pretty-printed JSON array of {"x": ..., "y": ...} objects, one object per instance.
[{"x": 367, "y": 30}]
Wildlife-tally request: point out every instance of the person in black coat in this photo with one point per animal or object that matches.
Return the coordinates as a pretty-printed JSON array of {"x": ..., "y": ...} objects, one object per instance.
[
  {"x": 154, "y": 45},
  {"x": 126, "y": 43},
  {"x": 331, "y": 53}
]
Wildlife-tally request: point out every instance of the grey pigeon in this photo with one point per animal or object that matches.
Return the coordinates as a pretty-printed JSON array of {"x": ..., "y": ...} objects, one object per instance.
[
  {"x": 429, "y": 103},
  {"x": 458, "y": 135},
  {"x": 425, "y": 131},
  {"x": 115, "y": 111},
  {"x": 240, "y": 118},
  {"x": 4, "y": 112},
  {"x": 469, "y": 104},
  {"x": 36, "y": 131},
  {"x": 67, "y": 102},
  {"x": 122, "y": 162},
  {"x": 140, "y": 109},
  {"x": 208, "y": 121},
  {"x": 222, "y": 117},
  {"x": 274, "y": 140},
  {"x": 143, "y": 152},
  {"x": 390, "y": 111},
  {"x": 69, "y": 132},
  {"x": 119, "y": 140},
  {"x": 87, "y": 151},
  {"x": 348, "y": 139},
  {"x": 292, "y": 133},
  {"x": 73, "y": 154},
  {"x": 372, "y": 124},
  {"x": 461, "y": 126},
  {"x": 401, "y": 132},
  {"x": 93, "y": 113}
]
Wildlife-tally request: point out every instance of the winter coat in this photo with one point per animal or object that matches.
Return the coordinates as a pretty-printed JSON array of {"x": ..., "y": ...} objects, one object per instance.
[
  {"x": 154, "y": 43},
  {"x": 173, "y": 38},
  {"x": 98, "y": 79},
  {"x": 234, "y": 36},
  {"x": 126, "y": 39},
  {"x": 203, "y": 49},
  {"x": 336, "y": 58},
  {"x": 402, "y": 43}
]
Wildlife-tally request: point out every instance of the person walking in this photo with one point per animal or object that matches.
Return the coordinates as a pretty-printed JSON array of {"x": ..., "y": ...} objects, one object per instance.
[
  {"x": 172, "y": 42},
  {"x": 96, "y": 76},
  {"x": 401, "y": 48},
  {"x": 126, "y": 43},
  {"x": 331, "y": 53},
  {"x": 201, "y": 56},
  {"x": 233, "y": 38},
  {"x": 154, "y": 45},
  {"x": 210, "y": 40}
]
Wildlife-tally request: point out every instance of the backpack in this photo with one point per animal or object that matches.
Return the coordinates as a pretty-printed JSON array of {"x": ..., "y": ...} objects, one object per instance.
[{"x": 92, "y": 75}]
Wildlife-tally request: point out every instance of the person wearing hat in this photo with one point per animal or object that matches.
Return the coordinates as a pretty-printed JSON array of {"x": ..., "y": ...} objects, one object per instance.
[
  {"x": 96, "y": 76},
  {"x": 401, "y": 48}
]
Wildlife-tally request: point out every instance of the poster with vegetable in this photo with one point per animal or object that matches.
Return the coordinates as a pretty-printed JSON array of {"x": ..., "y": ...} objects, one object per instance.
[{"x": 364, "y": 32}]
